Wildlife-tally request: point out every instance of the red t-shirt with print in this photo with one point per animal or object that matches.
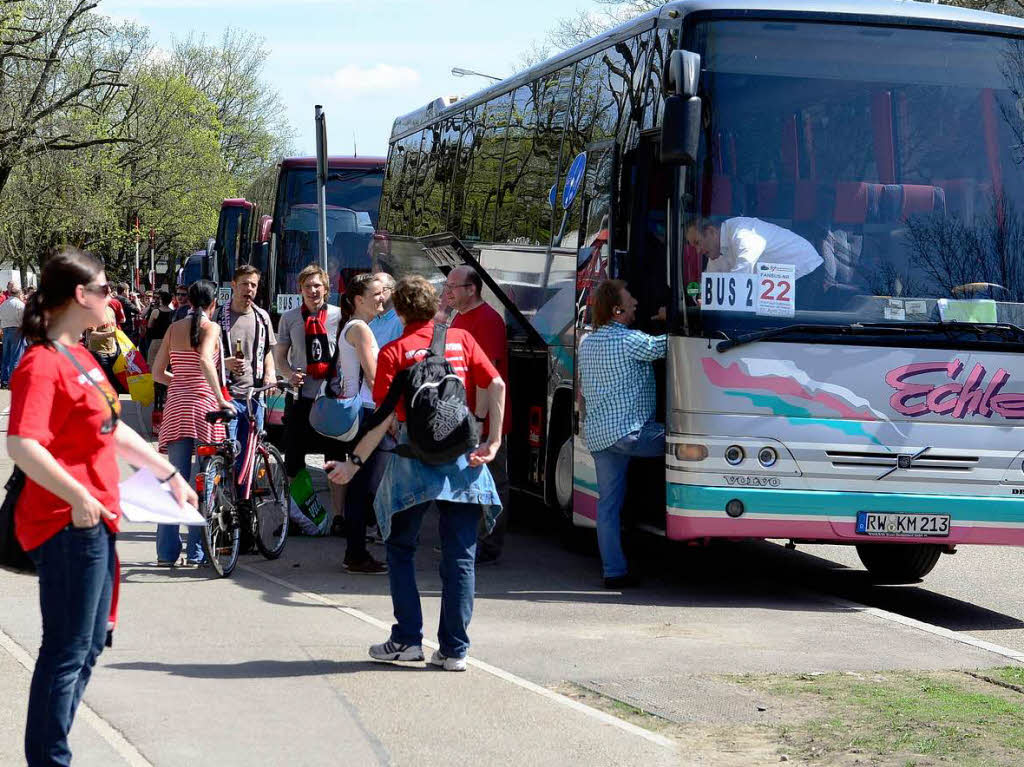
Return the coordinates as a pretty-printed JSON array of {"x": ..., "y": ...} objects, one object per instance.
[
  {"x": 488, "y": 330},
  {"x": 465, "y": 355},
  {"x": 54, "y": 404}
]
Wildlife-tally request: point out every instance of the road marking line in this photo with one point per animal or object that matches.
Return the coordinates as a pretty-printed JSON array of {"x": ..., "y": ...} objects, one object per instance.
[
  {"x": 131, "y": 755},
  {"x": 507, "y": 676},
  {"x": 928, "y": 628}
]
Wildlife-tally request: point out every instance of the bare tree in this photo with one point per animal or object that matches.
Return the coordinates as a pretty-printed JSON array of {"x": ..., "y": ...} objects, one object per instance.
[{"x": 59, "y": 66}]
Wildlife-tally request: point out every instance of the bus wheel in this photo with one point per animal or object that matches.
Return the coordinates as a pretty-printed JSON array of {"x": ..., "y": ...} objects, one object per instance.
[
  {"x": 898, "y": 562},
  {"x": 563, "y": 475}
]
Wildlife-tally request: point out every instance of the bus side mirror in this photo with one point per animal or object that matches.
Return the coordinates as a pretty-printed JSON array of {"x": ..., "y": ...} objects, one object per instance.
[
  {"x": 680, "y": 127},
  {"x": 263, "y": 231},
  {"x": 680, "y": 130}
]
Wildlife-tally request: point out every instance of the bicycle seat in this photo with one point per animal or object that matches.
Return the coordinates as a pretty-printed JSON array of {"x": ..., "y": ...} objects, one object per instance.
[{"x": 219, "y": 416}]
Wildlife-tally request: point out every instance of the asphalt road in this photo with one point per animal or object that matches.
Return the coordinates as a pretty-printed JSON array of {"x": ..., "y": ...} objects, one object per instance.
[{"x": 975, "y": 591}]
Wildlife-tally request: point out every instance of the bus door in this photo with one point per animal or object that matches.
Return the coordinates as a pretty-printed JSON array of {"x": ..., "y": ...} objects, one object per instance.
[
  {"x": 594, "y": 264},
  {"x": 644, "y": 266}
]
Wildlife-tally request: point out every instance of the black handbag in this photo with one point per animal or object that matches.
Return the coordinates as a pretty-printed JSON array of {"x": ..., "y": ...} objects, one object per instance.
[{"x": 11, "y": 554}]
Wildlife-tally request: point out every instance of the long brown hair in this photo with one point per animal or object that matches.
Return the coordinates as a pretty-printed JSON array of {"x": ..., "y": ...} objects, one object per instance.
[{"x": 61, "y": 275}]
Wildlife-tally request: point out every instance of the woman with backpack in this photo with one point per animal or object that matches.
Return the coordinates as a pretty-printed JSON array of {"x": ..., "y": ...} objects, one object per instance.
[
  {"x": 461, "y": 487},
  {"x": 66, "y": 436}
]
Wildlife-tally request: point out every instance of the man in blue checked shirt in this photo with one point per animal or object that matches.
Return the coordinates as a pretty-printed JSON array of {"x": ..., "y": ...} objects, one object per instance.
[{"x": 619, "y": 394}]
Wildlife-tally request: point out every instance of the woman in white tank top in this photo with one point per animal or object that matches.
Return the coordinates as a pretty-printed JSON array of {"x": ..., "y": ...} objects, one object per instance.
[
  {"x": 357, "y": 358},
  {"x": 357, "y": 348}
]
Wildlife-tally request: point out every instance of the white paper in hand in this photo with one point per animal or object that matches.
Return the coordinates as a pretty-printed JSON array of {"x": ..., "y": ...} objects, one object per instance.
[{"x": 144, "y": 499}]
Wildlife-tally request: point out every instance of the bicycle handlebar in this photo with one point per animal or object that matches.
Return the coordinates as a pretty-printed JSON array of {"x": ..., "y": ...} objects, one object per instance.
[
  {"x": 218, "y": 416},
  {"x": 280, "y": 383}
]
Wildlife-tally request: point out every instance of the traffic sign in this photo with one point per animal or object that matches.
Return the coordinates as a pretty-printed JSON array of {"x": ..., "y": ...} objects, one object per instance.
[
  {"x": 553, "y": 195},
  {"x": 573, "y": 179}
]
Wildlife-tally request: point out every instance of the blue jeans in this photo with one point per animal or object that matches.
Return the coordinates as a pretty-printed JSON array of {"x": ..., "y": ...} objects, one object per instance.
[
  {"x": 457, "y": 524},
  {"x": 13, "y": 348},
  {"x": 168, "y": 537},
  {"x": 238, "y": 428},
  {"x": 611, "y": 465},
  {"x": 76, "y": 583}
]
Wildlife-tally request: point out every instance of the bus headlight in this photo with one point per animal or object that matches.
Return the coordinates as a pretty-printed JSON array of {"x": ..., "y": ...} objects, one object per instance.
[
  {"x": 734, "y": 455},
  {"x": 767, "y": 457}
]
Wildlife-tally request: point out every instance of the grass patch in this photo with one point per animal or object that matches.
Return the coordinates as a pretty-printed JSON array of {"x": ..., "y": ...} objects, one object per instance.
[
  {"x": 1011, "y": 675},
  {"x": 903, "y": 718}
]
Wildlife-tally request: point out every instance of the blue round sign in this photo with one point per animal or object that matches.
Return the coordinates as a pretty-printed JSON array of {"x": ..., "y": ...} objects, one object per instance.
[
  {"x": 553, "y": 195},
  {"x": 573, "y": 179}
]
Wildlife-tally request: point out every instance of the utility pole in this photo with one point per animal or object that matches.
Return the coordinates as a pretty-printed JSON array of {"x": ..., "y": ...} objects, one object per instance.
[{"x": 321, "y": 182}]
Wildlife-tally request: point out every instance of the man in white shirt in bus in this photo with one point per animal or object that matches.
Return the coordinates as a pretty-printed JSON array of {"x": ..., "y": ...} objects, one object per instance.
[{"x": 738, "y": 244}]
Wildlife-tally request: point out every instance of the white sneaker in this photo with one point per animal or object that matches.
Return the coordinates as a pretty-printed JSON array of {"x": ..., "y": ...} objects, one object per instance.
[
  {"x": 448, "y": 664},
  {"x": 393, "y": 651}
]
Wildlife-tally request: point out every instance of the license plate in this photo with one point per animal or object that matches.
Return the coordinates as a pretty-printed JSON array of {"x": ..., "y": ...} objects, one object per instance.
[{"x": 912, "y": 525}]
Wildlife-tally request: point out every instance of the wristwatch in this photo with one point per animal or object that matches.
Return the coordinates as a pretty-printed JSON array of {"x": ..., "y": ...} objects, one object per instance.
[{"x": 356, "y": 460}]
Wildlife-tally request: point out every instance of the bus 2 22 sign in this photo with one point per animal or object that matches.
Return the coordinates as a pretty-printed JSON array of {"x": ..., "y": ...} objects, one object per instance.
[{"x": 771, "y": 292}]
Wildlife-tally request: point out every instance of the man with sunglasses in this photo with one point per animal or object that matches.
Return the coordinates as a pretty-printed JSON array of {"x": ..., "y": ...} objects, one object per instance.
[
  {"x": 386, "y": 327},
  {"x": 181, "y": 304}
]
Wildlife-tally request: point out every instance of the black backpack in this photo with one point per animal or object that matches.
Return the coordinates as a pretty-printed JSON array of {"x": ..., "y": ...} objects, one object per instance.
[{"x": 438, "y": 420}]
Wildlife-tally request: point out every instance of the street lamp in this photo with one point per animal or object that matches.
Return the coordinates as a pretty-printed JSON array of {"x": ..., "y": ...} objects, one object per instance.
[{"x": 460, "y": 72}]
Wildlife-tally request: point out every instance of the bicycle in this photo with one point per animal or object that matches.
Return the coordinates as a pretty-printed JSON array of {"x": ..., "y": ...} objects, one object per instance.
[{"x": 262, "y": 509}]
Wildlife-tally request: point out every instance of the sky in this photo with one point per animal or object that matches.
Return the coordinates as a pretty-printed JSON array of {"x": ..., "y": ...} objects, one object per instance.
[{"x": 365, "y": 61}]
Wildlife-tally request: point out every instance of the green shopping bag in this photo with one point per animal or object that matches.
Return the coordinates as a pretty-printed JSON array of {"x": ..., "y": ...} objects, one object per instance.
[{"x": 305, "y": 510}]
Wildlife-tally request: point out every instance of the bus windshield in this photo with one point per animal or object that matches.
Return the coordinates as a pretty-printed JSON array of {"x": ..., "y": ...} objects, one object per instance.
[
  {"x": 875, "y": 181},
  {"x": 353, "y": 199}
]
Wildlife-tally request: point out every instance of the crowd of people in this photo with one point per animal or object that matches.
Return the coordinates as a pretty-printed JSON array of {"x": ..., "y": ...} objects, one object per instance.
[{"x": 65, "y": 435}]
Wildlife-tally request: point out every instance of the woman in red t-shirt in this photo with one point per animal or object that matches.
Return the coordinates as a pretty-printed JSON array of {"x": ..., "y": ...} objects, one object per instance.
[{"x": 66, "y": 436}]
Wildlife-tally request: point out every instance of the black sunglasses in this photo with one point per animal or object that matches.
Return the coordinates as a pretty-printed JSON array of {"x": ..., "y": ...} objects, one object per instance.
[{"x": 99, "y": 289}]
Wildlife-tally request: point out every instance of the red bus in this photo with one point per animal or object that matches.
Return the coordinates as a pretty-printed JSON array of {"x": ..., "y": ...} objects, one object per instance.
[{"x": 353, "y": 200}]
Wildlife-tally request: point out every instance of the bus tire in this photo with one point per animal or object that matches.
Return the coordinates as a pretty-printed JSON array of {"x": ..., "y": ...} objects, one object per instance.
[
  {"x": 898, "y": 562},
  {"x": 563, "y": 476},
  {"x": 558, "y": 470}
]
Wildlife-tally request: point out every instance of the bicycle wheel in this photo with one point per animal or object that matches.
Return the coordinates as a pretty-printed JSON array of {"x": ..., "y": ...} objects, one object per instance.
[
  {"x": 221, "y": 536},
  {"x": 270, "y": 501}
]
